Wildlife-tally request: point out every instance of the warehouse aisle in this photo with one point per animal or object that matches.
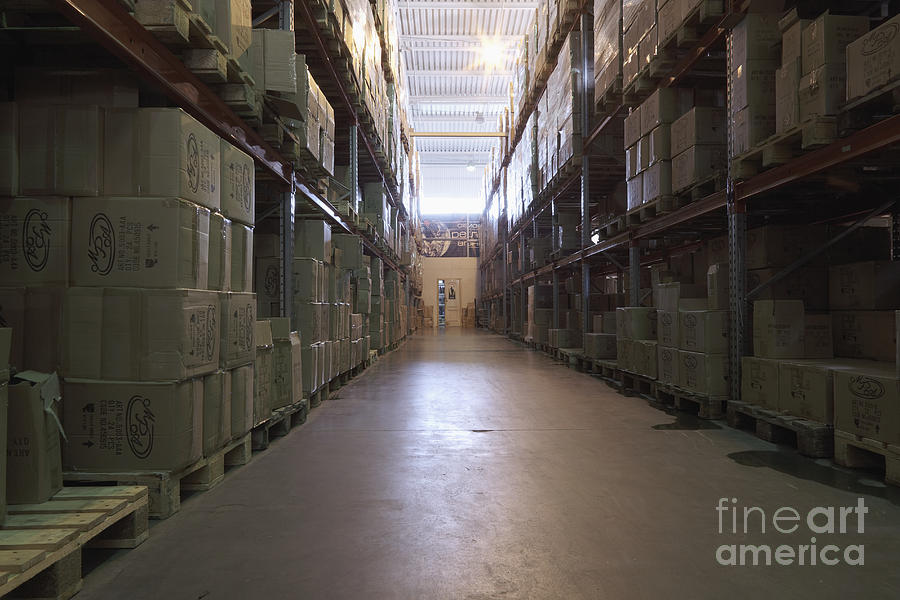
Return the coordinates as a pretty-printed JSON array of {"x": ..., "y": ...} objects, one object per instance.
[{"x": 465, "y": 466}]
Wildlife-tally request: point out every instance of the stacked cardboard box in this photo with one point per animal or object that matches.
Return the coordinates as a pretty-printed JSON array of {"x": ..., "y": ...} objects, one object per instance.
[
  {"x": 754, "y": 60},
  {"x": 287, "y": 369},
  {"x": 872, "y": 60},
  {"x": 639, "y": 37},
  {"x": 698, "y": 146},
  {"x": 607, "y": 37},
  {"x": 5, "y": 346},
  {"x": 636, "y": 346}
]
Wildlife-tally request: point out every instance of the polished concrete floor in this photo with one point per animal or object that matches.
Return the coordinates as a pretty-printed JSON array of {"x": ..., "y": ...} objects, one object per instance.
[{"x": 465, "y": 466}]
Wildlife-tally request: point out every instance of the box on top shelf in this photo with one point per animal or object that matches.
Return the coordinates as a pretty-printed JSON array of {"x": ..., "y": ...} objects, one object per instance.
[
  {"x": 756, "y": 37},
  {"x": 873, "y": 60},
  {"x": 824, "y": 40},
  {"x": 275, "y": 57},
  {"x": 700, "y": 125},
  {"x": 161, "y": 152},
  {"x": 233, "y": 25},
  {"x": 146, "y": 242},
  {"x": 822, "y": 91},
  {"x": 313, "y": 240}
]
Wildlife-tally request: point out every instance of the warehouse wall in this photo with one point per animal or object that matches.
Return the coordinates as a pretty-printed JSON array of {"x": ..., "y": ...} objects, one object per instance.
[{"x": 464, "y": 269}]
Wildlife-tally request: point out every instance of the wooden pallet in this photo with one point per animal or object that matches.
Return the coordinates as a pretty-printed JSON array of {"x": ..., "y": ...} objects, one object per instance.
[
  {"x": 811, "y": 438},
  {"x": 279, "y": 424},
  {"x": 649, "y": 211},
  {"x": 701, "y": 189},
  {"x": 640, "y": 385},
  {"x": 870, "y": 109},
  {"x": 695, "y": 25},
  {"x": 608, "y": 371},
  {"x": 317, "y": 397},
  {"x": 781, "y": 148},
  {"x": 40, "y": 544},
  {"x": 705, "y": 407},
  {"x": 609, "y": 101},
  {"x": 574, "y": 358},
  {"x": 165, "y": 487},
  {"x": 858, "y": 452}
]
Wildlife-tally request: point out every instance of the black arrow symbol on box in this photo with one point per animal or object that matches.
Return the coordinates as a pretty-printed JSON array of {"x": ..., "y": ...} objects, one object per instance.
[{"x": 88, "y": 443}]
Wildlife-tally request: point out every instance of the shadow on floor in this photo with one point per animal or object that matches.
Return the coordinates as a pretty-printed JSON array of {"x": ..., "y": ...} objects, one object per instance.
[
  {"x": 822, "y": 471},
  {"x": 683, "y": 421}
]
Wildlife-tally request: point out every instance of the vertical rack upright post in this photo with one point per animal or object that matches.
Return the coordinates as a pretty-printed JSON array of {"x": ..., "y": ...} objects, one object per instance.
[{"x": 587, "y": 46}]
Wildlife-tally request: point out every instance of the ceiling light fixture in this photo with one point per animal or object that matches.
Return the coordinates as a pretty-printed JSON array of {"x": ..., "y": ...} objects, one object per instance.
[
  {"x": 493, "y": 53},
  {"x": 470, "y": 167}
]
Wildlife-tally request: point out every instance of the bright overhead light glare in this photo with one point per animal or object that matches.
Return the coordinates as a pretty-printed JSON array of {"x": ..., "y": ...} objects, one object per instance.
[
  {"x": 470, "y": 167},
  {"x": 492, "y": 53}
]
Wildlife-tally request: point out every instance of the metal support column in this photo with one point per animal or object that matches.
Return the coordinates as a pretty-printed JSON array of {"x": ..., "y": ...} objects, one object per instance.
[
  {"x": 354, "y": 167},
  {"x": 522, "y": 295},
  {"x": 286, "y": 230},
  {"x": 737, "y": 286},
  {"x": 555, "y": 299},
  {"x": 587, "y": 81},
  {"x": 634, "y": 274},
  {"x": 504, "y": 243}
]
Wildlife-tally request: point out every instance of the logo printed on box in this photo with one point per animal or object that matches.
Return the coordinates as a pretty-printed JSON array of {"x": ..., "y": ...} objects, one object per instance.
[
  {"x": 866, "y": 387},
  {"x": 246, "y": 185},
  {"x": 193, "y": 163},
  {"x": 212, "y": 331},
  {"x": 880, "y": 38},
  {"x": 271, "y": 280},
  {"x": 35, "y": 239},
  {"x": 102, "y": 245},
  {"x": 140, "y": 420}
]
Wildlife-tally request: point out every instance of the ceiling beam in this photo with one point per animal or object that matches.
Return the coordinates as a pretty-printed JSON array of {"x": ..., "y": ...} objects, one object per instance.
[
  {"x": 472, "y": 40},
  {"x": 460, "y": 99},
  {"x": 457, "y": 134},
  {"x": 455, "y": 118},
  {"x": 458, "y": 73},
  {"x": 438, "y": 5}
]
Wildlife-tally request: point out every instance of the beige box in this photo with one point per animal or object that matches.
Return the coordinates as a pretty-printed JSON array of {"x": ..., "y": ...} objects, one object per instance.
[
  {"x": 632, "y": 167},
  {"x": 787, "y": 96},
  {"x": 703, "y": 373},
  {"x": 60, "y": 150},
  {"x": 161, "y": 152},
  {"x": 643, "y": 153},
  {"x": 868, "y": 334},
  {"x": 605, "y": 322},
  {"x": 310, "y": 368},
  {"x": 756, "y": 37},
  {"x": 220, "y": 250},
  {"x": 779, "y": 246},
  {"x": 288, "y": 370},
  {"x": 667, "y": 365},
  {"x": 306, "y": 279},
  {"x": 312, "y": 239},
  {"x": 34, "y": 241},
  {"x": 752, "y": 126},
  {"x": 669, "y": 19},
  {"x": 700, "y": 125},
  {"x": 234, "y": 25},
  {"x": 263, "y": 372},
  {"x": 808, "y": 284},
  {"x": 658, "y": 181},
  {"x": 4, "y": 414},
  {"x": 674, "y": 296},
  {"x": 138, "y": 334},
  {"x": 867, "y": 402},
  {"x": 717, "y": 286},
  {"x": 873, "y": 60},
  {"x": 636, "y": 323},
  {"x": 600, "y": 345},
  {"x": 33, "y": 464},
  {"x": 873, "y": 285},
  {"x": 754, "y": 85},
  {"x": 237, "y": 346},
  {"x": 660, "y": 108},
  {"x": 126, "y": 426},
  {"x": 139, "y": 242},
  {"x": 824, "y": 40},
  {"x": 216, "y": 412},
  {"x": 241, "y": 387},
  {"x": 35, "y": 316},
  {"x": 818, "y": 337},
  {"x": 791, "y": 42},
  {"x": 697, "y": 164},
  {"x": 241, "y": 258},
  {"x": 268, "y": 287},
  {"x": 822, "y": 91},
  {"x": 760, "y": 382},
  {"x": 9, "y": 149},
  {"x": 273, "y": 51},
  {"x": 308, "y": 320},
  {"x": 644, "y": 357},
  {"x": 704, "y": 331},
  {"x": 624, "y": 350},
  {"x": 667, "y": 328},
  {"x": 238, "y": 180},
  {"x": 778, "y": 329},
  {"x": 635, "y": 191},
  {"x": 660, "y": 144},
  {"x": 806, "y": 389}
]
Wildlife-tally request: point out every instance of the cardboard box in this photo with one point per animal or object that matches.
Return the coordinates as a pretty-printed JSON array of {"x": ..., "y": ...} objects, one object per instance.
[
  {"x": 241, "y": 258},
  {"x": 787, "y": 96},
  {"x": 756, "y": 37},
  {"x": 139, "y": 242},
  {"x": 125, "y": 426},
  {"x": 754, "y": 85},
  {"x": 9, "y": 149},
  {"x": 241, "y": 388},
  {"x": 33, "y": 459},
  {"x": 635, "y": 191},
  {"x": 791, "y": 42},
  {"x": 667, "y": 328},
  {"x": 674, "y": 296},
  {"x": 658, "y": 181},
  {"x": 161, "y": 152},
  {"x": 697, "y": 164},
  {"x": 219, "y": 277},
  {"x": 60, "y": 150},
  {"x": 636, "y": 323},
  {"x": 312, "y": 239},
  {"x": 667, "y": 365},
  {"x": 35, "y": 316},
  {"x": 872, "y": 285},
  {"x": 718, "y": 288},
  {"x": 268, "y": 287},
  {"x": 700, "y": 125},
  {"x": 310, "y": 369},
  {"x": 778, "y": 329},
  {"x": 659, "y": 144},
  {"x": 238, "y": 179},
  {"x": 867, "y": 402},
  {"x": 305, "y": 279},
  {"x": 605, "y": 322},
  {"x": 288, "y": 370},
  {"x": 643, "y": 153},
  {"x": 824, "y": 40},
  {"x": 779, "y": 246},
  {"x": 216, "y": 412},
  {"x": 704, "y": 373},
  {"x": 752, "y": 126},
  {"x": 822, "y": 91},
  {"x": 644, "y": 357},
  {"x": 873, "y": 60},
  {"x": 704, "y": 331},
  {"x": 600, "y": 345},
  {"x": 806, "y": 389},
  {"x": 660, "y": 108},
  {"x": 83, "y": 87},
  {"x": 869, "y": 334},
  {"x": 624, "y": 350},
  {"x": 760, "y": 382},
  {"x": 34, "y": 241},
  {"x": 263, "y": 373},
  {"x": 632, "y": 167},
  {"x": 275, "y": 49},
  {"x": 233, "y": 25},
  {"x": 818, "y": 340},
  {"x": 808, "y": 284},
  {"x": 237, "y": 346}
]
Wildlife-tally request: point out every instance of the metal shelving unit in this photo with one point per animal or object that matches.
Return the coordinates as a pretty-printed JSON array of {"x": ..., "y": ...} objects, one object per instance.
[{"x": 725, "y": 211}]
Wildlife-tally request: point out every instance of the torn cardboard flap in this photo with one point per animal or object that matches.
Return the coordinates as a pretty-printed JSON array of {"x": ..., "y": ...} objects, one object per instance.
[{"x": 48, "y": 385}]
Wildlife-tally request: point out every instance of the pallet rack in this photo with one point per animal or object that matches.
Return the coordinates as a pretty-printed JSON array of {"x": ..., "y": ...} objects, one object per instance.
[{"x": 781, "y": 190}]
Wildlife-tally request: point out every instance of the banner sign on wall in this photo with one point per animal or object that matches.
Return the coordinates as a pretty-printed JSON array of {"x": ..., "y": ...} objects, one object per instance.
[{"x": 451, "y": 236}]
